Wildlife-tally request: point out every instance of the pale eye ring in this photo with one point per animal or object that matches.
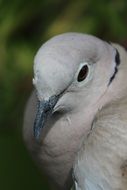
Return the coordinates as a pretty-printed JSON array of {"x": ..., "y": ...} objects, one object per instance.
[{"x": 83, "y": 73}]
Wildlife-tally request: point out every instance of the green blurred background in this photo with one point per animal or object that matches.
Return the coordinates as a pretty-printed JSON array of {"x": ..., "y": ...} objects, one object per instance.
[{"x": 24, "y": 26}]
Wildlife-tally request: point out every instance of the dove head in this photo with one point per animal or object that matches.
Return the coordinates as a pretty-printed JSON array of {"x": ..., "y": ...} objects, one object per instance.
[{"x": 72, "y": 75}]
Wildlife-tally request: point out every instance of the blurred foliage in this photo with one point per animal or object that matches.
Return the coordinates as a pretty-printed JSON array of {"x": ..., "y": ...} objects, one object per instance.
[{"x": 24, "y": 26}]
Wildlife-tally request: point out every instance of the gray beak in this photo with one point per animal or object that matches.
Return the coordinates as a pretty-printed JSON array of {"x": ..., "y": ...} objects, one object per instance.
[{"x": 44, "y": 111}]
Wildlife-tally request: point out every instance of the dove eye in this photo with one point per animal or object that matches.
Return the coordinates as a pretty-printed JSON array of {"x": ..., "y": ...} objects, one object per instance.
[{"x": 83, "y": 73}]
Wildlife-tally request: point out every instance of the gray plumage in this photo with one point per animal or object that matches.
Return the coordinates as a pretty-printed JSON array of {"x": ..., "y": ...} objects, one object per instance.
[{"x": 83, "y": 131}]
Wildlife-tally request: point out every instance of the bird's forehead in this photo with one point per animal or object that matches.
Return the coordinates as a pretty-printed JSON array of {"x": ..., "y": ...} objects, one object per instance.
[
  {"x": 70, "y": 49},
  {"x": 55, "y": 63},
  {"x": 60, "y": 55},
  {"x": 58, "y": 59},
  {"x": 53, "y": 70}
]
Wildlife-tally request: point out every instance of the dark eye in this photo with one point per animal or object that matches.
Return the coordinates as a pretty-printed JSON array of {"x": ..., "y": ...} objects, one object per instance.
[{"x": 83, "y": 73}]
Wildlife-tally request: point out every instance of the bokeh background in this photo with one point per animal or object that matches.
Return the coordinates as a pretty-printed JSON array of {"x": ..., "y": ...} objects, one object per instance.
[{"x": 24, "y": 26}]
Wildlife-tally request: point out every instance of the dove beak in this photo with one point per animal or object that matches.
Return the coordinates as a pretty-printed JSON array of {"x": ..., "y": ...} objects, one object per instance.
[{"x": 44, "y": 111}]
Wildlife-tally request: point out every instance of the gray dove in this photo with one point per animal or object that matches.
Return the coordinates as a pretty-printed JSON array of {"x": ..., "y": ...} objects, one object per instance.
[{"x": 75, "y": 123}]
